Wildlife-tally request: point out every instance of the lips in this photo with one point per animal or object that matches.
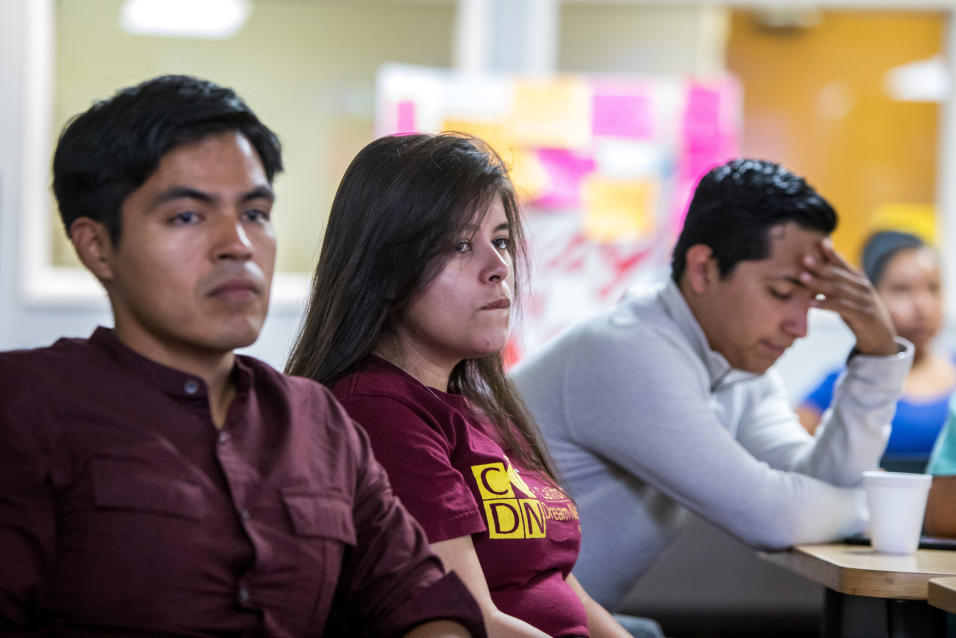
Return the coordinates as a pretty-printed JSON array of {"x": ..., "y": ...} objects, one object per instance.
[
  {"x": 498, "y": 304},
  {"x": 776, "y": 349},
  {"x": 236, "y": 287}
]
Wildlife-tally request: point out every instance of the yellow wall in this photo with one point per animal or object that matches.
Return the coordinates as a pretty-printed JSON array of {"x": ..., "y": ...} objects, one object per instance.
[
  {"x": 815, "y": 100},
  {"x": 307, "y": 68}
]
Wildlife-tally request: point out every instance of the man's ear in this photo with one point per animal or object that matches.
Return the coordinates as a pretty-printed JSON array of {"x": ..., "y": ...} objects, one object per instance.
[
  {"x": 700, "y": 268},
  {"x": 93, "y": 246}
]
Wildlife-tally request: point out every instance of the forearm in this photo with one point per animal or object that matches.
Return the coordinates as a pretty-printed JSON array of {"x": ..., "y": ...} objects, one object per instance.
[
  {"x": 941, "y": 507},
  {"x": 458, "y": 555},
  {"x": 439, "y": 629},
  {"x": 501, "y": 625},
  {"x": 855, "y": 430},
  {"x": 601, "y": 624}
]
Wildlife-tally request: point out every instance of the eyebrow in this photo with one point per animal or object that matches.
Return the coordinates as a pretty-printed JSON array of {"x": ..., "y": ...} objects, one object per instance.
[
  {"x": 473, "y": 228},
  {"x": 187, "y": 192},
  {"x": 792, "y": 280}
]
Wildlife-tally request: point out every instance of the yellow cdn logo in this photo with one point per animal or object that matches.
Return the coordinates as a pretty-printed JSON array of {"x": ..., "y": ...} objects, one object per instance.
[{"x": 511, "y": 510}]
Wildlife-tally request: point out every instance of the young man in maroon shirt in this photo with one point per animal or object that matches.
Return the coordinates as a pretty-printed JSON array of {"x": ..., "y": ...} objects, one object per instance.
[{"x": 151, "y": 480}]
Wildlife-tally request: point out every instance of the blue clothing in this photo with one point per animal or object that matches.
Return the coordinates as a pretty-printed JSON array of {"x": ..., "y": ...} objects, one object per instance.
[
  {"x": 916, "y": 424},
  {"x": 943, "y": 460}
]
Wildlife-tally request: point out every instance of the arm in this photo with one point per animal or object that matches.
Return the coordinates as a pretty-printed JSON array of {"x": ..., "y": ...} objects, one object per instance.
[
  {"x": 458, "y": 555},
  {"x": 641, "y": 399},
  {"x": 809, "y": 418},
  {"x": 601, "y": 623},
  {"x": 438, "y": 629},
  {"x": 390, "y": 582},
  {"x": 941, "y": 507},
  {"x": 27, "y": 508}
]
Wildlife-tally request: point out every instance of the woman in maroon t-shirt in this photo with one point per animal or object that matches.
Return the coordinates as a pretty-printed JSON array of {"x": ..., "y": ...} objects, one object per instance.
[{"x": 410, "y": 310}]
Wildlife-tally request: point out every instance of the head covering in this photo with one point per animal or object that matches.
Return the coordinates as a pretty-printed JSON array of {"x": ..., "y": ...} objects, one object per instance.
[{"x": 880, "y": 249}]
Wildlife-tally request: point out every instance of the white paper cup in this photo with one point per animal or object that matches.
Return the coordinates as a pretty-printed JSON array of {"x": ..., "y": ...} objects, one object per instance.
[{"x": 897, "y": 501}]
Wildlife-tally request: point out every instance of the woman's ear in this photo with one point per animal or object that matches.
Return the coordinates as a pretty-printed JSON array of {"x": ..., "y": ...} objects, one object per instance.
[
  {"x": 93, "y": 246},
  {"x": 700, "y": 269}
]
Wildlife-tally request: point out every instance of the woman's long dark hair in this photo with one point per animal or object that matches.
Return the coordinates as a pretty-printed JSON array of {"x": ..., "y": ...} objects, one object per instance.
[{"x": 401, "y": 203}]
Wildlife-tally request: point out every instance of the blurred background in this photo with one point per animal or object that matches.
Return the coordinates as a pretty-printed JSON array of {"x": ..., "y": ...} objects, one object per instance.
[{"x": 607, "y": 110}]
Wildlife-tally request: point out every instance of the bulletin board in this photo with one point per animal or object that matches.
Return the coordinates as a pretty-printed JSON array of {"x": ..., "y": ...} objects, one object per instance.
[{"x": 604, "y": 165}]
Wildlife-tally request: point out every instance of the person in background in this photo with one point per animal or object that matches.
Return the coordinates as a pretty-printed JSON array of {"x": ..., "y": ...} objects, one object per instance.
[
  {"x": 152, "y": 481},
  {"x": 941, "y": 505},
  {"x": 906, "y": 275},
  {"x": 667, "y": 400},
  {"x": 410, "y": 310}
]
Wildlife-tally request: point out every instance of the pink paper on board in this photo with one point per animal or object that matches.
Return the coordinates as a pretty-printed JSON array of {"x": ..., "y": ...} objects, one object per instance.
[
  {"x": 565, "y": 170},
  {"x": 622, "y": 115},
  {"x": 709, "y": 137},
  {"x": 405, "y": 120}
]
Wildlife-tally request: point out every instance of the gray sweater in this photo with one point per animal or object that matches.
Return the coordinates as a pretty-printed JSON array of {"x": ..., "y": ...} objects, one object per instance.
[{"x": 644, "y": 420}]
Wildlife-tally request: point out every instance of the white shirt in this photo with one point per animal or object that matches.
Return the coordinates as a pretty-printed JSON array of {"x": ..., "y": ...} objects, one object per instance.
[{"x": 644, "y": 419}]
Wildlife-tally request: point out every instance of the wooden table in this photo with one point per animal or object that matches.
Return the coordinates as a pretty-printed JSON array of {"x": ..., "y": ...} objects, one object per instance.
[
  {"x": 870, "y": 594},
  {"x": 942, "y": 593}
]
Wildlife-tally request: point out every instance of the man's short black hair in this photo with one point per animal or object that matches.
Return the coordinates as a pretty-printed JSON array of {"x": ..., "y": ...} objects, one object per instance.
[
  {"x": 737, "y": 203},
  {"x": 107, "y": 152}
]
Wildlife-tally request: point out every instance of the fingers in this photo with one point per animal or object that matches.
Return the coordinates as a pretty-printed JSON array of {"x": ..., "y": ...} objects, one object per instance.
[
  {"x": 840, "y": 287},
  {"x": 831, "y": 277}
]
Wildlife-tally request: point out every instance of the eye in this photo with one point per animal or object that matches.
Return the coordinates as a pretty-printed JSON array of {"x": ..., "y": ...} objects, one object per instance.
[
  {"x": 185, "y": 218},
  {"x": 783, "y": 296},
  {"x": 501, "y": 243},
  {"x": 463, "y": 246},
  {"x": 257, "y": 215}
]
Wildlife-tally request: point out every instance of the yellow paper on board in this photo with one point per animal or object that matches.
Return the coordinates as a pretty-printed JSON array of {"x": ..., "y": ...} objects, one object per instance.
[
  {"x": 491, "y": 132},
  {"x": 619, "y": 210},
  {"x": 528, "y": 175},
  {"x": 551, "y": 113}
]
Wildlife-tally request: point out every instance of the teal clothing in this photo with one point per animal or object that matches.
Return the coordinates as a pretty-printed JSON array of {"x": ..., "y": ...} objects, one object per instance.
[{"x": 943, "y": 460}]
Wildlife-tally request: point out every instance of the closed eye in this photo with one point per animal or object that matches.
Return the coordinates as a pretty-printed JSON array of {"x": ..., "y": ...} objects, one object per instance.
[{"x": 783, "y": 296}]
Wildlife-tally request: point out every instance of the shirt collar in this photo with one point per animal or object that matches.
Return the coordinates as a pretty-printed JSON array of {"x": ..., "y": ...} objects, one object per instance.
[
  {"x": 173, "y": 382},
  {"x": 719, "y": 371}
]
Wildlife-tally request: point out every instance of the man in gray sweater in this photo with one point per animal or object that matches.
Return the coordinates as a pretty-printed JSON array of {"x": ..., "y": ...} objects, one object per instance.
[{"x": 666, "y": 400}]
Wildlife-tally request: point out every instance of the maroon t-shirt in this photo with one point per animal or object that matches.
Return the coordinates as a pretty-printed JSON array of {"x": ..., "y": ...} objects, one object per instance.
[
  {"x": 123, "y": 511},
  {"x": 451, "y": 473}
]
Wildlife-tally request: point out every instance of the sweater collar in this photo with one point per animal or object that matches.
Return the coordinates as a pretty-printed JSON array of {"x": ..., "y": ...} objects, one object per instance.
[{"x": 719, "y": 370}]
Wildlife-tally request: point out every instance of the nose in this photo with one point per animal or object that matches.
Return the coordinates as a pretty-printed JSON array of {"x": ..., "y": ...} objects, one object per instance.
[
  {"x": 497, "y": 266},
  {"x": 795, "y": 321},
  {"x": 231, "y": 240},
  {"x": 924, "y": 304}
]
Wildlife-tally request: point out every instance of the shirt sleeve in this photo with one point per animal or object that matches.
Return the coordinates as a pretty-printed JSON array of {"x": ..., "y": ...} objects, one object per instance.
[
  {"x": 942, "y": 462},
  {"x": 681, "y": 448},
  {"x": 390, "y": 581},
  {"x": 416, "y": 453},
  {"x": 853, "y": 432},
  {"x": 27, "y": 518}
]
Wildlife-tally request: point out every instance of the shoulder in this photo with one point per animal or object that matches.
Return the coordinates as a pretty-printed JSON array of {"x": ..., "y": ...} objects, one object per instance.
[
  {"x": 295, "y": 389},
  {"x": 388, "y": 402},
  {"x": 48, "y": 369}
]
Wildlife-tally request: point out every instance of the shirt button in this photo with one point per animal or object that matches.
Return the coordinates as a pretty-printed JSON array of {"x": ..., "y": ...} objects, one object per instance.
[
  {"x": 245, "y": 514},
  {"x": 223, "y": 437},
  {"x": 243, "y": 595},
  {"x": 191, "y": 386}
]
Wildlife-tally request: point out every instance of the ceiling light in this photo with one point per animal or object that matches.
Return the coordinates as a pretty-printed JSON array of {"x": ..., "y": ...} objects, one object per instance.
[{"x": 184, "y": 18}]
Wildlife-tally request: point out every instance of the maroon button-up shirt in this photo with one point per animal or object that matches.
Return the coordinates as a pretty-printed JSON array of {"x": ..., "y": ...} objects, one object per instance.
[{"x": 123, "y": 509}]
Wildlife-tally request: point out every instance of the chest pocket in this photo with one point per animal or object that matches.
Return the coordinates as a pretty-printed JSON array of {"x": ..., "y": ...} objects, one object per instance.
[
  {"x": 320, "y": 515},
  {"x": 324, "y": 533},
  {"x": 129, "y": 485}
]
